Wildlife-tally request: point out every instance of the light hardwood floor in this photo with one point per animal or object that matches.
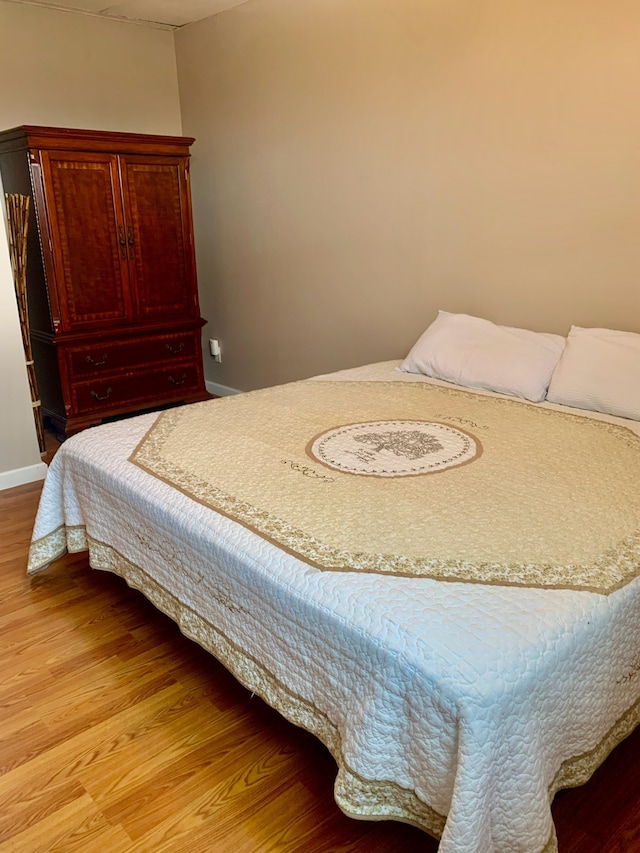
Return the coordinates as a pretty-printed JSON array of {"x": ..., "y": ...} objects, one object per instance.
[{"x": 118, "y": 735}]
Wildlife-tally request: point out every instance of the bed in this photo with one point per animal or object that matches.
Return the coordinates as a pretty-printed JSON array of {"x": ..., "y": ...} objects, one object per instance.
[{"x": 452, "y": 609}]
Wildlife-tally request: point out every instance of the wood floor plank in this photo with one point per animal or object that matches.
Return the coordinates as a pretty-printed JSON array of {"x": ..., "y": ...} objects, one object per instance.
[
  {"x": 77, "y": 827},
  {"x": 26, "y": 738},
  {"x": 211, "y": 819},
  {"x": 151, "y": 761},
  {"x": 54, "y": 774},
  {"x": 180, "y": 780},
  {"x": 119, "y": 735},
  {"x": 30, "y": 809}
]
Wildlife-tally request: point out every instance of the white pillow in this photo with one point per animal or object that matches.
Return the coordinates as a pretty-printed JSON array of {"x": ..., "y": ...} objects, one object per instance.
[
  {"x": 599, "y": 370},
  {"x": 479, "y": 354}
]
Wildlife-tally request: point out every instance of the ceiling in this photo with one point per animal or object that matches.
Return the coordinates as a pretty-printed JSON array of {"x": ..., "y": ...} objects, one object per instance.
[{"x": 164, "y": 13}]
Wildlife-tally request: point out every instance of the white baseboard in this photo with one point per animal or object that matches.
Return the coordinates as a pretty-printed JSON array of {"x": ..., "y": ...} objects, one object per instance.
[
  {"x": 220, "y": 390},
  {"x": 21, "y": 476}
]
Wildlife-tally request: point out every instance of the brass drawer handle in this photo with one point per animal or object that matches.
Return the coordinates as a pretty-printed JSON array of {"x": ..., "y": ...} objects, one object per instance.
[
  {"x": 89, "y": 360},
  {"x": 180, "y": 381},
  {"x": 98, "y": 397},
  {"x": 175, "y": 350}
]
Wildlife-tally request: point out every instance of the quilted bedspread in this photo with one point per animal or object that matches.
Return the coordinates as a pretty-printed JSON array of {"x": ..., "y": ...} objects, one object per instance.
[
  {"x": 485, "y": 478},
  {"x": 458, "y": 706}
]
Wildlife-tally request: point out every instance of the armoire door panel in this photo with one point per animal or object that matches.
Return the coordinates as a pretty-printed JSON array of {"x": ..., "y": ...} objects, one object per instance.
[
  {"x": 158, "y": 228},
  {"x": 90, "y": 252}
]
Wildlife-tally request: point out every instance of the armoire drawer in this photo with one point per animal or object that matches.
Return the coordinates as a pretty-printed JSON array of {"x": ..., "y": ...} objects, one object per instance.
[
  {"x": 129, "y": 354},
  {"x": 144, "y": 388}
]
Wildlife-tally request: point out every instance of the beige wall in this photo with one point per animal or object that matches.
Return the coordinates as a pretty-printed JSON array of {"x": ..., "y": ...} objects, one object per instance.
[
  {"x": 359, "y": 165},
  {"x": 77, "y": 71}
]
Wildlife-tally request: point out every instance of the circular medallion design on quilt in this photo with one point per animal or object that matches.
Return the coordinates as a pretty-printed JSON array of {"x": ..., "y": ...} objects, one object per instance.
[{"x": 394, "y": 448}]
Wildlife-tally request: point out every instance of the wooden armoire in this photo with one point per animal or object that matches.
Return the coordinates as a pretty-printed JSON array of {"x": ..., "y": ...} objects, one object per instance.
[{"x": 111, "y": 276}]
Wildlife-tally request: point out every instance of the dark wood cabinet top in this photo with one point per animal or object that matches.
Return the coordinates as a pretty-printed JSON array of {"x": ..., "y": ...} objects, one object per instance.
[{"x": 76, "y": 139}]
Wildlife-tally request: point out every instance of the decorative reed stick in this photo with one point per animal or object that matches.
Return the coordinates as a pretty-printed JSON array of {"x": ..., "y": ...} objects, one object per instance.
[{"x": 18, "y": 225}]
